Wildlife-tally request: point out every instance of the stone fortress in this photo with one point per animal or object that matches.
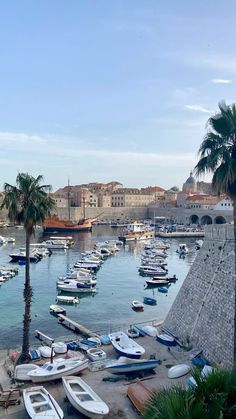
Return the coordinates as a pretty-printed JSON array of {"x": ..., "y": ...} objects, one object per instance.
[{"x": 202, "y": 315}]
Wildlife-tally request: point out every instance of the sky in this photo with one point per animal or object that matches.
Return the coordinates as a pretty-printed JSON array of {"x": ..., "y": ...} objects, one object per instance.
[{"x": 101, "y": 90}]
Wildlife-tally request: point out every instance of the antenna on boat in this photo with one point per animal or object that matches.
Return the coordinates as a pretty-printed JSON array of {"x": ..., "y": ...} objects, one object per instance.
[{"x": 68, "y": 198}]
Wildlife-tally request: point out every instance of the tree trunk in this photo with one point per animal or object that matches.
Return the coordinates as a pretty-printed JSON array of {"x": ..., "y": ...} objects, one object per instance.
[
  {"x": 27, "y": 299},
  {"x": 234, "y": 216}
]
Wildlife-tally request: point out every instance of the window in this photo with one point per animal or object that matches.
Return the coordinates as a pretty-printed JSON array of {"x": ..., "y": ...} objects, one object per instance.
[{"x": 61, "y": 367}]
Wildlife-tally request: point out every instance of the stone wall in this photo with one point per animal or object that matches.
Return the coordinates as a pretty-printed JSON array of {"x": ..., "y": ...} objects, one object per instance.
[
  {"x": 203, "y": 312},
  {"x": 182, "y": 215},
  {"x": 105, "y": 214}
]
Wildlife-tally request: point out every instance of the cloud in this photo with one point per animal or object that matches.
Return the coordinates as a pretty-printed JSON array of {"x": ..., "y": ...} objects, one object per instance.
[
  {"x": 221, "y": 81},
  {"x": 197, "y": 108}
]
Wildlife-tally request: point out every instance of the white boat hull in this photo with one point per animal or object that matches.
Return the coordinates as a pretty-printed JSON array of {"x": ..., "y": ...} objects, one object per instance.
[
  {"x": 178, "y": 371},
  {"x": 21, "y": 371},
  {"x": 39, "y": 378},
  {"x": 40, "y": 404}
]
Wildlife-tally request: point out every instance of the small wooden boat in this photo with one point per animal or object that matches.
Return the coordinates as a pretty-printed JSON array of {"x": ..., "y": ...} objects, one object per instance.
[
  {"x": 59, "y": 368},
  {"x": 126, "y": 365},
  {"x": 39, "y": 403},
  {"x": 67, "y": 299},
  {"x": 55, "y": 309},
  {"x": 83, "y": 398},
  {"x": 137, "y": 305},
  {"x": 150, "y": 301},
  {"x": 46, "y": 351},
  {"x": 132, "y": 333},
  {"x": 126, "y": 346},
  {"x": 96, "y": 354},
  {"x": 178, "y": 371},
  {"x": 150, "y": 330},
  {"x": 164, "y": 290},
  {"x": 139, "y": 393},
  {"x": 21, "y": 371},
  {"x": 166, "y": 340}
]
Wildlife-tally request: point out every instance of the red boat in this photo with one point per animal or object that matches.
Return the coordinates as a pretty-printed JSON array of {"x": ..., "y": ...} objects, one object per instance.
[{"x": 54, "y": 224}]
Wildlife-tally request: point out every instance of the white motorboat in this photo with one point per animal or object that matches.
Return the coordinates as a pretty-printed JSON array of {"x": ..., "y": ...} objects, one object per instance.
[
  {"x": 55, "y": 244},
  {"x": 21, "y": 371},
  {"x": 83, "y": 398},
  {"x": 39, "y": 403},
  {"x": 67, "y": 299},
  {"x": 152, "y": 271},
  {"x": 74, "y": 286},
  {"x": 178, "y": 371},
  {"x": 182, "y": 249},
  {"x": 126, "y": 365},
  {"x": 59, "y": 368},
  {"x": 126, "y": 346},
  {"x": 137, "y": 305},
  {"x": 96, "y": 354}
]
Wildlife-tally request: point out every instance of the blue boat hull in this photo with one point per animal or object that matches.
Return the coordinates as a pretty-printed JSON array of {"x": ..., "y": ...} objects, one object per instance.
[
  {"x": 126, "y": 355},
  {"x": 133, "y": 367}
]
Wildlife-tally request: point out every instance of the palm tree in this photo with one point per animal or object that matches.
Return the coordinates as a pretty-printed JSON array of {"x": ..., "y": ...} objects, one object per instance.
[
  {"x": 28, "y": 203},
  {"x": 218, "y": 156}
]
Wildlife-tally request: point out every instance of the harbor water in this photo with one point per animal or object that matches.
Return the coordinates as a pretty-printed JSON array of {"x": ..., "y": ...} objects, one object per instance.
[{"x": 118, "y": 284}]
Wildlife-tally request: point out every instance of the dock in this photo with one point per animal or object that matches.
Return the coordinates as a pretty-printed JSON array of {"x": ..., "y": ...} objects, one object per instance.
[
  {"x": 73, "y": 325},
  {"x": 180, "y": 234}
]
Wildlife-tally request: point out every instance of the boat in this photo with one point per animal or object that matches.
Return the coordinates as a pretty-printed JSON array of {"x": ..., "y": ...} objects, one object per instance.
[
  {"x": 138, "y": 329},
  {"x": 126, "y": 365},
  {"x": 55, "y": 309},
  {"x": 54, "y": 224},
  {"x": 40, "y": 403},
  {"x": 178, "y": 371},
  {"x": 150, "y": 301},
  {"x": 46, "y": 351},
  {"x": 150, "y": 330},
  {"x": 21, "y": 371},
  {"x": 96, "y": 354},
  {"x": 59, "y": 368},
  {"x": 105, "y": 340},
  {"x": 164, "y": 290},
  {"x": 83, "y": 398},
  {"x": 182, "y": 249},
  {"x": 74, "y": 286},
  {"x": 21, "y": 257},
  {"x": 166, "y": 340},
  {"x": 157, "y": 282},
  {"x": 137, "y": 305},
  {"x": 67, "y": 299},
  {"x": 198, "y": 244},
  {"x": 55, "y": 244},
  {"x": 137, "y": 231},
  {"x": 147, "y": 270},
  {"x": 132, "y": 334},
  {"x": 59, "y": 347},
  {"x": 126, "y": 346},
  {"x": 139, "y": 393}
]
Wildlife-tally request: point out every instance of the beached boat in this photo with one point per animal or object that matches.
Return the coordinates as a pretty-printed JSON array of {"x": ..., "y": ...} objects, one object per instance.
[
  {"x": 126, "y": 346},
  {"x": 105, "y": 340},
  {"x": 178, "y": 370},
  {"x": 137, "y": 305},
  {"x": 67, "y": 299},
  {"x": 96, "y": 354},
  {"x": 83, "y": 398},
  {"x": 46, "y": 351},
  {"x": 138, "y": 329},
  {"x": 55, "y": 309},
  {"x": 139, "y": 393},
  {"x": 149, "y": 301},
  {"x": 59, "y": 368},
  {"x": 150, "y": 330},
  {"x": 132, "y": 334},
  {"x": 59, "y": 347},
  {"x": 166, "y": 340},
  {"x": 126, "y": 365},
  {"x": 54, "y": 224},
  {"x": 40, "y": 403},
  {"x": 21, "y": 371}
]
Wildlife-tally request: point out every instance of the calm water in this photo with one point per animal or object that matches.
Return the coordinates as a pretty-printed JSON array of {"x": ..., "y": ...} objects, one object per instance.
[{"x": 118, "y": 283}]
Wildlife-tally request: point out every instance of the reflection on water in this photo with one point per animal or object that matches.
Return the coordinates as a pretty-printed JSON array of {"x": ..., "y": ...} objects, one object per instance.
[{"x": 118, "y": 283}]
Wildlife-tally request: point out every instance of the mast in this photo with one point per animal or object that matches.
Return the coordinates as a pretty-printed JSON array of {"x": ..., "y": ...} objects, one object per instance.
[
  {"x": 84, "y": 207},
  {"x": 68, "y": 198}
]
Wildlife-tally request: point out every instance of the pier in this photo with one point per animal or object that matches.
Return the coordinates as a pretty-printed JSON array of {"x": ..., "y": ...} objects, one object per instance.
[
  {"x": 180, "y": 234},
  {"x": 79, "y": 328}
]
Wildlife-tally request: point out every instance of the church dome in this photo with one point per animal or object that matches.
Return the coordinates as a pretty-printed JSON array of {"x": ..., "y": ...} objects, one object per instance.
[
  {"x": 190, "y": 180},
  {"x": 190, "y": 185}
]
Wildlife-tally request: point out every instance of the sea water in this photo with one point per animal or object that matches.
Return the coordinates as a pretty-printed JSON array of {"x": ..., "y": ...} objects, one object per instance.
[{"x": 118, "y": 284}]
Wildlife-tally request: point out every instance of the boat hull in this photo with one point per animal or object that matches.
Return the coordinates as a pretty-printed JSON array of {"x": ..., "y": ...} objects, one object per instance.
[
  {"x": 133, "y": 367},
  {"x": 55, "y": 376},
  {"x": 81, "y": 229}
]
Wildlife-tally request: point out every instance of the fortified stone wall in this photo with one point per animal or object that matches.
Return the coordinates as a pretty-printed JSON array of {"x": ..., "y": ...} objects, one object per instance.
[
  {"x": 182, "y": 215},
  {"x": 105, "y": 214},
  {"x": 203, "y": 312}
]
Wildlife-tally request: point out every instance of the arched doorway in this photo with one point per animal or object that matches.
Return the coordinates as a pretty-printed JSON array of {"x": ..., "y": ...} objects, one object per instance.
[
  {"x": 206, "y": 219},
  {"x": 194, "y": 219},
  {"x": 220, "y": 220}
]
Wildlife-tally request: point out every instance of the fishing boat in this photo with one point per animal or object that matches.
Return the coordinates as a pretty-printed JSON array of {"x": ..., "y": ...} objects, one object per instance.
[
  {"x": 67, "y": 299},
  {"x": 137, "y": 305},
  {"x": 59, "y": 368},
  {"x": 166, "y": 340},
  {"x": 40, "y": 403},
  {"x": 96, "y": 354},
  {"x": 139, "y": 393},
  {"x": 55, "y": 309},
  {"x": 157, "y": 282},
  {"x": 21, "y": 371},
  {"x": 55, "y": 225},
  {"x": 126, "y": 365},
  {"x": 83, "y": 398},
  {"x": 150, "y": 301},
  {"x": 178, "y": 371},
  {"x": 126, "y": 346}
]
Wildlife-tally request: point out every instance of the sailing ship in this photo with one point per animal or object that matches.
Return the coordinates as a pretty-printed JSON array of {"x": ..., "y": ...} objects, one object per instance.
[{"x": 55, "y": 224}]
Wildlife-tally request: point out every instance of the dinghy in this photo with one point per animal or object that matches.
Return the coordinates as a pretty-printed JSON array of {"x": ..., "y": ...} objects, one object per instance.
[
  {"x": 166, "y": 340},
  {"x": 59, "y": 368},
  {"x": 39, "y": 403},
  {"x": 139, "y": 330},
  {"x": 105, "y": 340},
  {"x": 137, "y": 305},
  {"x": 126, "y": 346},
  {"x": 139, "y": 393},
  {"x": 164, "y": 290},
  {"x": 132, "y": 334},
  {"x": 45, "y": 351},
  {"x": 150, "y": 301},
  {"x": 67, "y": 299},
  {"x": 96, "y": 354},
  {"x": 126, "y": 365},
  {"x": 83, "y": 398},
  {"x": 178, "y": 371},
  {"x": 157, "y": 282},
  {"x": 150, "y": 330},
  {"x": 21, "y": 371}
]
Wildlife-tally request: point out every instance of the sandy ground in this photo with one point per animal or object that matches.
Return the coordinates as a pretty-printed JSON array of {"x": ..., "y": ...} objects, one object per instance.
[{"x": 113, "y": 393}]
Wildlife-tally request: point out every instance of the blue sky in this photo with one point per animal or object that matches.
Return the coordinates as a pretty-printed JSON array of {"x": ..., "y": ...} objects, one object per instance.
[{"x": 102, "y": 90}]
